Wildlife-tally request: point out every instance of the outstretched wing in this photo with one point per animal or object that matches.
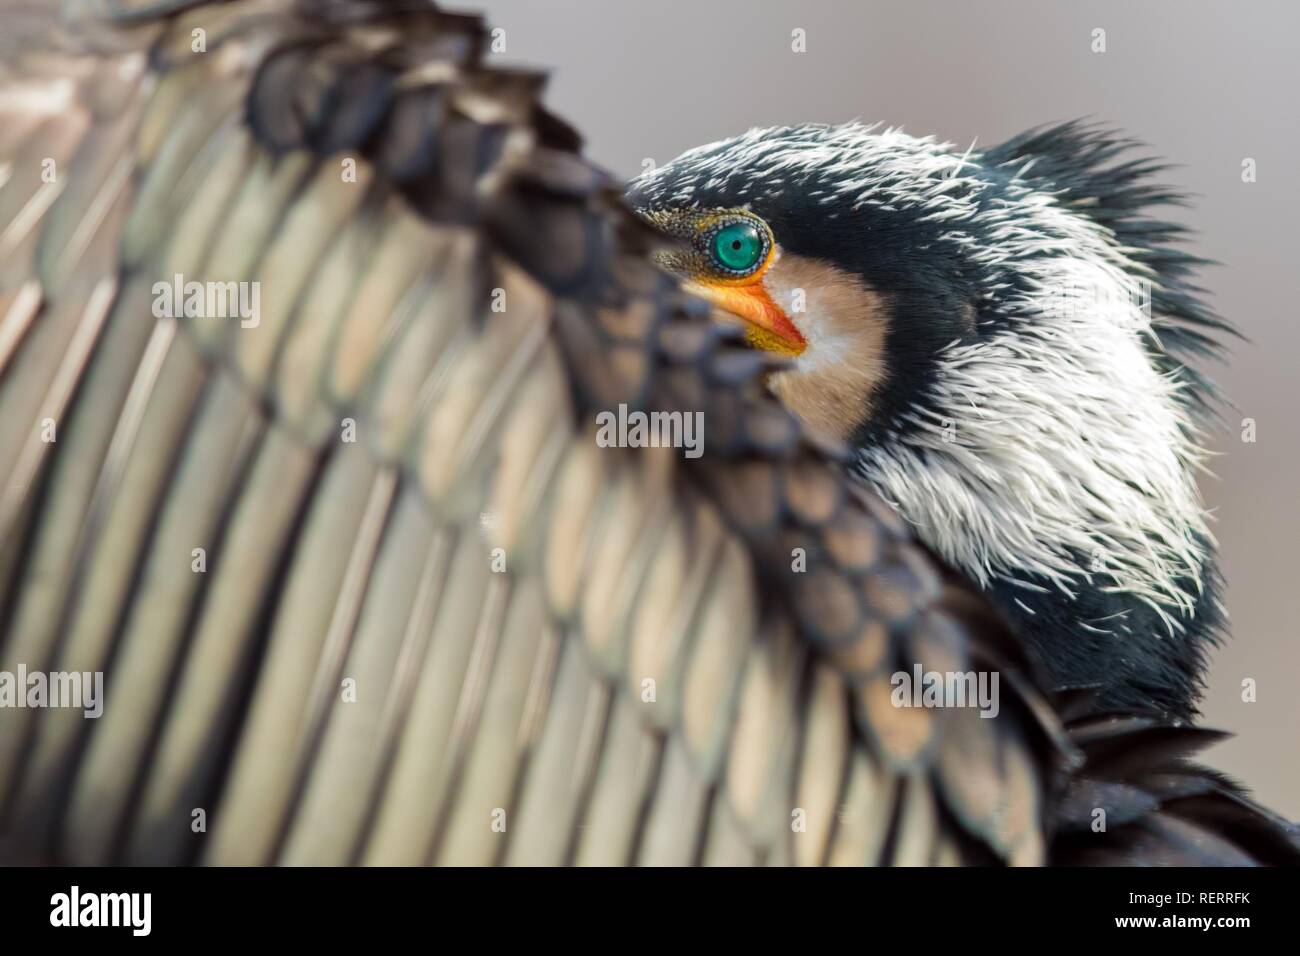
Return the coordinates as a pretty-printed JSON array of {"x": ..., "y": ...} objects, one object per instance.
[
  {"x": 306, "y": 319},
  {"x": 363, "y": 583}
]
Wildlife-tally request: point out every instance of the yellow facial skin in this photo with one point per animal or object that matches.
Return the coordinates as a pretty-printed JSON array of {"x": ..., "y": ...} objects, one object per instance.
[{"x": 767, "y": 326}]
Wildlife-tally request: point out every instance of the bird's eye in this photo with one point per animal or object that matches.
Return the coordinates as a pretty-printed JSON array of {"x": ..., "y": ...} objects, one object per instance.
[{"x": 738, "y": 247}]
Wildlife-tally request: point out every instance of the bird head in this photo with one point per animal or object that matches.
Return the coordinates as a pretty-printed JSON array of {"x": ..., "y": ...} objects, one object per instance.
[
  {"x": 996, "y": 334},
  {"x": 822, "y": 242}
]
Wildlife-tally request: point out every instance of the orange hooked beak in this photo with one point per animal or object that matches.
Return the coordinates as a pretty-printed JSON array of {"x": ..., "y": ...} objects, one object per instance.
[{"x": 766, "y": 326}]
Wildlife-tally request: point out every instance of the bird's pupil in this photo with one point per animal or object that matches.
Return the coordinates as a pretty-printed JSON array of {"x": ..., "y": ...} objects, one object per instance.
[{"x": 738, "y": 246}]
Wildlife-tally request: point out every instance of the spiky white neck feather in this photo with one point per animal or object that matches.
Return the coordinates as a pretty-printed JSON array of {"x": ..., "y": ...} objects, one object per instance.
[{"x": 1055, "y": 447}]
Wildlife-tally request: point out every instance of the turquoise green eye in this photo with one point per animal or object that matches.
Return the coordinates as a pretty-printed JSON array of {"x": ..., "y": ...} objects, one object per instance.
[{"x": 738, "y": 247}]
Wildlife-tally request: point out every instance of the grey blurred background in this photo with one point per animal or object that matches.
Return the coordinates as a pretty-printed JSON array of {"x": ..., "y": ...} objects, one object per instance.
[{"x": 1205, "y": 84}]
